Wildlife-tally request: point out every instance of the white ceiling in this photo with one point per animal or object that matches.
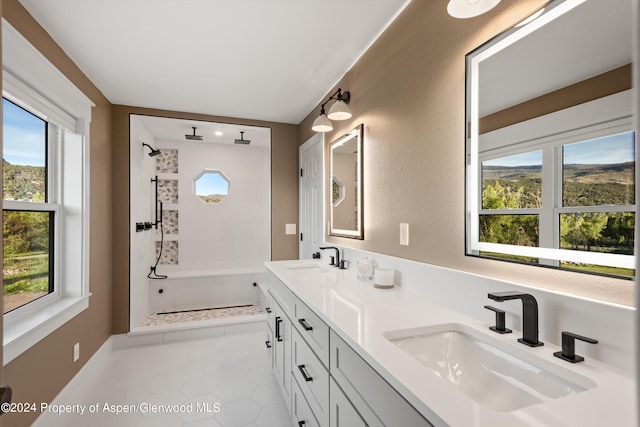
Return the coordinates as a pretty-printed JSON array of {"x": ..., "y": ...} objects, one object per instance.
[
  {"x": 268, "y": 60},
  {"x": 586, "y": 41}
]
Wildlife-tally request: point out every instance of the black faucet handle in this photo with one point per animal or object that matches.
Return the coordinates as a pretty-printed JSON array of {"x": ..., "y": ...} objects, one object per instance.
[
  {"x": 500, "y": 321},
  {"x": 568, "y": 352}
]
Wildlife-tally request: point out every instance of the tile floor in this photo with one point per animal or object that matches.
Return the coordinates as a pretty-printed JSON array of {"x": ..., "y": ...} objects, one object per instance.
[{"x": 219, "y": 382}]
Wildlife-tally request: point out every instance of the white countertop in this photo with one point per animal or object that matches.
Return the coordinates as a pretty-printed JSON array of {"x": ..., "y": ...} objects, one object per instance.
[{"x": 360, "y": 314}]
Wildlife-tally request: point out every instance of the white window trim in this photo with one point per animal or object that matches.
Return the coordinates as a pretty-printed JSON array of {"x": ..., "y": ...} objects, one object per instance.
[
  {"x": 29, "y": 76},
  {"x": 584, "y": 121}
]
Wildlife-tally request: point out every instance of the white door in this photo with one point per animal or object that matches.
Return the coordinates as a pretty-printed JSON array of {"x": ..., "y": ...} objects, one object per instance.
[{"x": 311, "y": 193}]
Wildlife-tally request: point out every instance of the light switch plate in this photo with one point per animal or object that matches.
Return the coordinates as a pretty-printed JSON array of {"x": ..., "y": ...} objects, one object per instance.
[
  {"x": 404, "y": 234},
  {"x": 290, "y": 229}
]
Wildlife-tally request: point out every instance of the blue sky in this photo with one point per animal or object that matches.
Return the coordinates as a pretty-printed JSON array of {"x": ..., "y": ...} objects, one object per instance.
[
  {"x": 211, "y": 183},
  {"x": 23, "y": 134},
  {"x": 607, "y": 150}
]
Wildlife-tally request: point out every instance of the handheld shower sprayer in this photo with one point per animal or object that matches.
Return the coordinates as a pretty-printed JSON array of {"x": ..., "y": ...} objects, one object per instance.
[{"x": 153, "y": 152}]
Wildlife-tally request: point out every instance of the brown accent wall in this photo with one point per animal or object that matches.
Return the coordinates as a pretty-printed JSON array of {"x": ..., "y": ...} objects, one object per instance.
[
  {"x": 608, "y": 83},
  {"x": 284, "y": 195},
  {"x": 409, "y": 91},
  {"x": 42, "y": 371}
]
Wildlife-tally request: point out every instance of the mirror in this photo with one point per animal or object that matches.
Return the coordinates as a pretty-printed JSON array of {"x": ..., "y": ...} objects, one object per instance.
[
  {"x": 345, "y": 196},
  {"x": 550, "y": 144}
]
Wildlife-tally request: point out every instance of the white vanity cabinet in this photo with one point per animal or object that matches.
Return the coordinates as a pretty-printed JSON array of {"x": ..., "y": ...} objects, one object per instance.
[
  {"x": 280, "y": 300},
  {"x": 342, "y": 411},
  {"x": 324, "y": 381},
  {"x": 373, "y": 399}
]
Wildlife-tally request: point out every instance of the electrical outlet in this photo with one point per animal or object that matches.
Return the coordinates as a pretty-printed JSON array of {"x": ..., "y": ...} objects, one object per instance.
[
  {"x": 76, "y": 352},
  {"x": 404, "y": 234}
]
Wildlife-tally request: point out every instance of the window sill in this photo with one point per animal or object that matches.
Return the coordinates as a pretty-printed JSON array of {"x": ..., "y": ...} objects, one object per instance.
[{"x": 22, "y": 333}]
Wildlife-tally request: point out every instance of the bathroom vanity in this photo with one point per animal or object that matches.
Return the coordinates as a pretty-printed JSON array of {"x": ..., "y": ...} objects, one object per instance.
[{"x": 348, "y": 354}]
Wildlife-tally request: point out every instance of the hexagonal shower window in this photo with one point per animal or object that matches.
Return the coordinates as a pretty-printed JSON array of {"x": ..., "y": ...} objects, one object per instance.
[{"x": 211, "y": 186}]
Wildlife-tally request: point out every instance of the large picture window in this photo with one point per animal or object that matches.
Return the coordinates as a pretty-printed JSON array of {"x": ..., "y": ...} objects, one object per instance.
[{"x": 28, "y": 207}]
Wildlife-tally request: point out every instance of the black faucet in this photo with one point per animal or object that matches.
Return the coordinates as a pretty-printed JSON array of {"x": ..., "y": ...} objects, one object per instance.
[
  {"x": 529, "y": 315},
  {"x": 336, "y": 260}
]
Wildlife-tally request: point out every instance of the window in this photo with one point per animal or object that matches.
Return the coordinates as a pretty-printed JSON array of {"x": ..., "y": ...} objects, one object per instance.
[
  {"x": 46, "y": 123},
  {"x": 29, "y": 211},
  {"x": 211, "y": 186},
  {"x": 585, "y": 189}
]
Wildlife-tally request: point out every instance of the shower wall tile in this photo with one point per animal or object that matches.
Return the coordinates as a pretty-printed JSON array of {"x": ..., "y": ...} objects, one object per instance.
[
  {"x": 170, "y": 222},
  {"x": 167, "y": 161},
  {"x": 168, "y": 190},
  {"x": 169, "y": 252}
]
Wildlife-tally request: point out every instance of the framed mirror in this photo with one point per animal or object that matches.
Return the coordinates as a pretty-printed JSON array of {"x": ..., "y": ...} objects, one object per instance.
[
  {"x": 345, "y": 185},
  {"x": 550, "y": 144}
]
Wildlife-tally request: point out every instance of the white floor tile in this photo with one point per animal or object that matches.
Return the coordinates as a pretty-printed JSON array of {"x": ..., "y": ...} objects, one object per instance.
[{"x": 222, "y": 381}]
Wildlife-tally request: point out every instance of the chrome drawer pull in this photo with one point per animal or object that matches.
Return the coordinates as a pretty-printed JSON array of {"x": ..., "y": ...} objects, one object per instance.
[
  {"x": 303, "y": 371},
  {"x": 305, "y": 325}
]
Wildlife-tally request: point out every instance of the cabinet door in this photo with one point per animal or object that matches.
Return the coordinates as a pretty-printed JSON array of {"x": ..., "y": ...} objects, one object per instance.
[
  {"x": 282, "y": 352},
  {"x": 341, "y": 411}
]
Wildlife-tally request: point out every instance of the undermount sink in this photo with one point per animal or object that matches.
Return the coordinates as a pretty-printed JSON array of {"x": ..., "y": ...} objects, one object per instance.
[
  {"x": 486, "y": 370},
  {"x": 304, "y": 267}
]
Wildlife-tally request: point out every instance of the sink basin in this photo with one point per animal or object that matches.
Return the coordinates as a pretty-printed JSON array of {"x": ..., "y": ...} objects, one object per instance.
[
  {"x": 487, "y": 370},
  {"x": 304, "y": 267}
]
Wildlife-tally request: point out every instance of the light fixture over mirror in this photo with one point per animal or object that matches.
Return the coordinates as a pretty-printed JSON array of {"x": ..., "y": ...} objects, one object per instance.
[
  {"x": 551, "y": 150},
  {"x": 338, "y": 111},
  {"x": 470, "y": 8}
]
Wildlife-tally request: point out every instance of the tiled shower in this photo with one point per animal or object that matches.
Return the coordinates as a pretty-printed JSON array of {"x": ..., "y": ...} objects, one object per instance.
[{"x": 211, "y": 253}]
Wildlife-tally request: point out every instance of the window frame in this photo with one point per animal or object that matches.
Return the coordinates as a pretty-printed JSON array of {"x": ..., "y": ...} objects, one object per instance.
[
  {"x": 29, "y": 78},
  {"x": 549, "y": 132}
]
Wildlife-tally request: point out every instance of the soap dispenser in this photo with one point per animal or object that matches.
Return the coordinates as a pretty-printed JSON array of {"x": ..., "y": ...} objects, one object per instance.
[{"x": 365, "y": 269}]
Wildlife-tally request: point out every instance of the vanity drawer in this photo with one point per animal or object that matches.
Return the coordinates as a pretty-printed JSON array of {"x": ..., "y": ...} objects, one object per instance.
[
  {"x": 282, "y": 294},
  {"x": 361, "y": 382},
  {"x": 301, "y": 412},
  {"x": 311, "y": 376},
  {"x": 314, "y": 331}
]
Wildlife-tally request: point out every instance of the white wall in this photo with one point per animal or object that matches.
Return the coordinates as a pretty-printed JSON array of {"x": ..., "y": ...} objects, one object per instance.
[{"x": 234, "y": 233}]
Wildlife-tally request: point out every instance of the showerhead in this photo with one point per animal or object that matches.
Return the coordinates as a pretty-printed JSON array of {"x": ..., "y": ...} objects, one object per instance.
[
  {"x": 242, "y": 140},
  {"x": 153, "y": 152},
  {"x": 194, "y": 137}
]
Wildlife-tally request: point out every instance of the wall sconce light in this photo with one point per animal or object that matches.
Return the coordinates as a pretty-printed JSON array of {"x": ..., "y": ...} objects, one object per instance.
[
  {"x": 338, "y": 111},
  {"x": 470, "y": 8}
]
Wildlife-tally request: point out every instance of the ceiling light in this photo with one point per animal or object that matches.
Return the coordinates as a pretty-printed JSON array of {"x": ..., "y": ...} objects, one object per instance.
[
  {"x": 338, "y": 111},
  {"x": 470, "y": 8}
]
